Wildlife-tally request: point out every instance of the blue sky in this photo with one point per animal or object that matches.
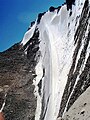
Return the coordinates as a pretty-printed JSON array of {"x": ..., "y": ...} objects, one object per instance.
[{"x": 16, "y": 15}]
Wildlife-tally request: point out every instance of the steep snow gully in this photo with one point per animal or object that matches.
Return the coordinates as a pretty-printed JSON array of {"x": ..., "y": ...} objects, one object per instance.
[{"x": 63, "y": 58}]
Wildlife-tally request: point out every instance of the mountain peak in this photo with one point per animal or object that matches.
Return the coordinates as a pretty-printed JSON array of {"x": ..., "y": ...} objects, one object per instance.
[{"x": 48, "y": 71}]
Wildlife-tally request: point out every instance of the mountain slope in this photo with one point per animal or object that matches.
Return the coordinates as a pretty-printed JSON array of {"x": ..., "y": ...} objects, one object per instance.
[
  {"x": 16, "y": 89},
  {"x": 54, "y": 56}
]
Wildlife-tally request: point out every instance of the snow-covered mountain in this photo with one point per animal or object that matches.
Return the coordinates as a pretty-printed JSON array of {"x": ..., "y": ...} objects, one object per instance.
[{"x": 56, "y": 51}]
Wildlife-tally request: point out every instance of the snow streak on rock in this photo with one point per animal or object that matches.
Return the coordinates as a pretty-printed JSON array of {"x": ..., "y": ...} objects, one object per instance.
[{"x": 3, "y": 105}]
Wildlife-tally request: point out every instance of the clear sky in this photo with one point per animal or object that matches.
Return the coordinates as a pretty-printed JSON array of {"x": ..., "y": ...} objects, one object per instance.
[{"x": 15, "y": 18}]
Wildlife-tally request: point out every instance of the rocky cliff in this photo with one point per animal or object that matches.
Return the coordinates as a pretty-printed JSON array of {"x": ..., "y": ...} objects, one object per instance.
[{"x": 46, "y": 74}]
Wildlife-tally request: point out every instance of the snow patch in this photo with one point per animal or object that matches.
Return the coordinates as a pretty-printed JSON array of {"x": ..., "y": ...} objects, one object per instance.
[{"x": 28, "y": 34}]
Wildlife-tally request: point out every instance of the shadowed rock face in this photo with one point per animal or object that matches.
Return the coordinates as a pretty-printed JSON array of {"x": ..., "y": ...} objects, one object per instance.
[
  {"x": 14, "y": 73},
  {"x": 69, "y": 4},
  {"x": 40, "y": 16},
  {"x": 16, "y": 69}
]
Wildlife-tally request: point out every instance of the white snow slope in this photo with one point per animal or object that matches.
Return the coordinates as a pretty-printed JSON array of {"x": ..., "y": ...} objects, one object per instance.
[{"x": 56, "y": 35}]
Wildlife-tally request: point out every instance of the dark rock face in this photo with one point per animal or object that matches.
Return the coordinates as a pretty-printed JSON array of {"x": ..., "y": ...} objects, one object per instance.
[
  {"x": 32, "y": 23},
  {"x": 40, "y": 16},
  {"x": 70, "y": 3},
  {"x": 84, "y": 79},
  {"x": 51, "y": 9},
  {"x": 16, "y": 69}
]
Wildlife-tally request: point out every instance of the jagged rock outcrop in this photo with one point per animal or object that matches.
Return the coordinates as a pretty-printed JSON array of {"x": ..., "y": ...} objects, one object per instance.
[{"x": 70, "y": 3}]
